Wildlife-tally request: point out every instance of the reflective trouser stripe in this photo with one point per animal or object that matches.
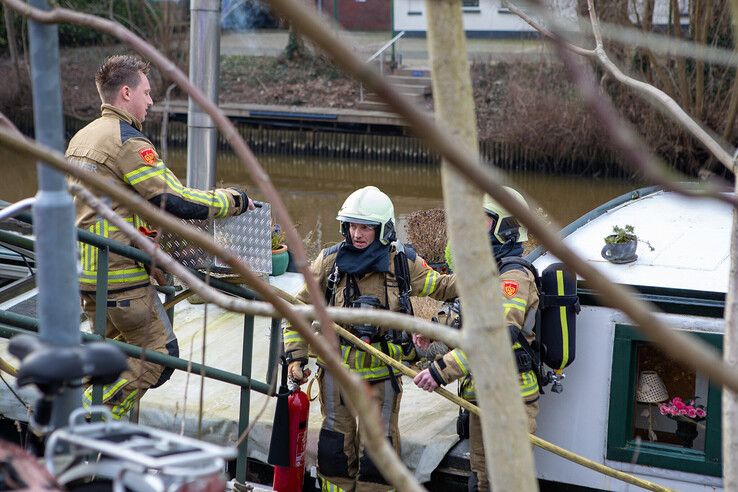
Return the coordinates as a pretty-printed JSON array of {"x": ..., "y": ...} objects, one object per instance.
[
  {"x": 109, "y": 391},
  {"x": 120, "y": 410},
  {"x": 326, "y": 486}
]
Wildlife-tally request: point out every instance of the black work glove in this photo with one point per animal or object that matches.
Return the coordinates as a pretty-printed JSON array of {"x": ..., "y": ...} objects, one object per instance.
[{"x": 240, "y": 200}]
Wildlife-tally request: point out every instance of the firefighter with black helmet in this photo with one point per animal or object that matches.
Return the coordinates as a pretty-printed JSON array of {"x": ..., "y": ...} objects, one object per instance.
[
  {"x": 520, "y": 303},
  {"x": 369, "y": 268}
]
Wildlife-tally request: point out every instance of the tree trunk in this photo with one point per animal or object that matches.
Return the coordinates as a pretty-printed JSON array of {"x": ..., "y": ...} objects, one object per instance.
[
  {"x": 12, "y": 47},
  {"x": 730, "y": 355},
  {"x": 730, "y": 340},
  {"x": 484, "y": 338},
  {"x": 295, "y": 49}
]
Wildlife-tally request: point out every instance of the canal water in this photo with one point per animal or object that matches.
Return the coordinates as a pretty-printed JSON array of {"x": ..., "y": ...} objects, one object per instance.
[{"x": 313, "y": 188}]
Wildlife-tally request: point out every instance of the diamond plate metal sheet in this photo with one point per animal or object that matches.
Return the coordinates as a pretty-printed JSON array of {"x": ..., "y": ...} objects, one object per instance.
[
  {"x": 181, "y": 250},
  {"x": 247, "y": 235}
]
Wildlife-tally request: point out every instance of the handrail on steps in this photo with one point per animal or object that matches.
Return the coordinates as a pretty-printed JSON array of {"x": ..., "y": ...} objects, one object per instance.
[{"x": 380, "y": 51}]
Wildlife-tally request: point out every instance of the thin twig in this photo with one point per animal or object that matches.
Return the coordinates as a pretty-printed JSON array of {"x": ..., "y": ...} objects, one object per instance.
[
  {"x": 653, "y": 95},
  {"x": 226, "y": 127},
  {"x": 683, "y": 348},
  {"x": 353, "y": 387}
]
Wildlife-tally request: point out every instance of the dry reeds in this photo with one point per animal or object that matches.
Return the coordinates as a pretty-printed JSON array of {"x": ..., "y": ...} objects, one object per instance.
[{"x": 426, "y": 231}]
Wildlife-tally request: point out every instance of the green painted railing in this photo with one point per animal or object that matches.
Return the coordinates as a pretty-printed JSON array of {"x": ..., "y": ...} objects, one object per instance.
[{"x": 12, "y": 324}]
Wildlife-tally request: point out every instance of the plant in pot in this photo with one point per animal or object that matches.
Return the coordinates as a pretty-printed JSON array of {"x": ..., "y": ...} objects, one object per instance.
[
  {"x": 621, "y": 245},
  {"x": 280, "y": 256}
]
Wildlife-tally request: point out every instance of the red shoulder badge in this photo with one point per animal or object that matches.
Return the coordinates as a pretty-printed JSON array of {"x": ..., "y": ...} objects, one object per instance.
[
  {"x": 148, "y": 156},
  {"x": 509, "y": 288}
]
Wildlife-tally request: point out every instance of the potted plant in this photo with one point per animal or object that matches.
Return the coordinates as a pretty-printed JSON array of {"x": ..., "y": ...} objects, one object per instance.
[
  {"x": 621, "y": 245},
  {"x": 280, "y": 256},
  {"x": 686, "y": 416}
]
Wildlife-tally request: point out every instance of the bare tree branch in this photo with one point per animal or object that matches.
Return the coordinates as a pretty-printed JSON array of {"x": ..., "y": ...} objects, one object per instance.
[
  {"x": 226, "y": 127},
  {"x": 356, "y": 390},
  {"x": 485, "y": 338},
  {"x": 651, "y": 94},
  {"x": 681, "y": 347}
]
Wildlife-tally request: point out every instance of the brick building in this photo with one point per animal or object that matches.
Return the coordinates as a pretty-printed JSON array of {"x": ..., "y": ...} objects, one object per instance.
[{"x": 359, "y": 15}]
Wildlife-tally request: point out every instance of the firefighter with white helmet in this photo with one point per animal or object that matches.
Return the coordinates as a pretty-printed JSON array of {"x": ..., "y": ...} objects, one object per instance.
[
  {"x": 368, "y": 269},
  {"x": 520, "y": 303}
]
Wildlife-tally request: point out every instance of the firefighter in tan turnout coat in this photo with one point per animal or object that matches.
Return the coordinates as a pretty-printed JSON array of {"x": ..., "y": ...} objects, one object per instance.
[
  {"x": 520, "y": 303},
  {"x": 113, "y": 147},
  {"x": 368, "y": 269}
]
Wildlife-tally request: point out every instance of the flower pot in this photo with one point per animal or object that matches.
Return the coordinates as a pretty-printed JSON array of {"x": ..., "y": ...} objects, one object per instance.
[
  {"x": 620, "y": 252},
  {"x": 280, "y": 259},
  {"x": 687, "y": 432}
]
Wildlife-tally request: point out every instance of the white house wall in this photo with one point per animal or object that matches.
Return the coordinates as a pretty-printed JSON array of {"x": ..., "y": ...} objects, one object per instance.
[
  {"x": 577, "y": 419},
  {"x": 492, "y": 19}
]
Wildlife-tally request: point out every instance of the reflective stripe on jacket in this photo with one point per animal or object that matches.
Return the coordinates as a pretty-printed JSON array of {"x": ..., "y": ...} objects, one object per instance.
[
  {"x": 114, "y": 148},
  {"x": 424, "y": 282},
  {"x": 516, "y": 304}
]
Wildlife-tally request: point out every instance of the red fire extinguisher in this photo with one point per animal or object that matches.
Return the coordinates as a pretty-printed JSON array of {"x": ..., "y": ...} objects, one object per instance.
[{"x": 290, "y": 478}]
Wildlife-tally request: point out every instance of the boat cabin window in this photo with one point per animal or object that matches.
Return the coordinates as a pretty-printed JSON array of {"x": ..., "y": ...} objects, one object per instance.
[{"x": 661, "y": 413}]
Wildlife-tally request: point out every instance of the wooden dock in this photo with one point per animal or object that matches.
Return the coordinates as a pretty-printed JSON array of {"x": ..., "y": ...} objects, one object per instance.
[{"x": 263, "y": 113}]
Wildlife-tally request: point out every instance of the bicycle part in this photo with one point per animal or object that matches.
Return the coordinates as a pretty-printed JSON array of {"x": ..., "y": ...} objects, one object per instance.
[{"x": 138, "y": 457}]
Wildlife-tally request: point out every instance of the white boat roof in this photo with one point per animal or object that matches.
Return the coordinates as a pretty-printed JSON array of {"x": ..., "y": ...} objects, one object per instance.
[{"x": 690, "y": 236}]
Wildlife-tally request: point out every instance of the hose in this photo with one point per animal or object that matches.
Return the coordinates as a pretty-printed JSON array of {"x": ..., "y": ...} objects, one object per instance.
[
  {"x": 535, "y": 440},
  {"x": 7, "y": 368}
]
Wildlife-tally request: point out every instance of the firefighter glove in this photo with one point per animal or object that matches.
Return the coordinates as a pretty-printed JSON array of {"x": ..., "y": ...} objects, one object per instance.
[
  {"x": 297, "y": 373},
  {"x": 241, "y": 200}
]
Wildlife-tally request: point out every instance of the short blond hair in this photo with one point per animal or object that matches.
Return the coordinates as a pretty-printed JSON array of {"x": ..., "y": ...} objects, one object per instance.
[{"x": 117, "y": 71}]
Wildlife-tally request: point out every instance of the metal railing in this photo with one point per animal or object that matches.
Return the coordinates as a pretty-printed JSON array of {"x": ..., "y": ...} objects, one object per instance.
[
  {"x": 12, "y": 324},
  {"x": 380, "y": 54}
]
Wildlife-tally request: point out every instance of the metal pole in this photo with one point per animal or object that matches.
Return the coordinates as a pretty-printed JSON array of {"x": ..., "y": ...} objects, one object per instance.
[
  {"x": 53, "y": 214},
  {"x": 275, "y": 349},
  {"x": 204, "y": 69},
  {"x": 392, "y": 22},
  {"x": 242, "y": 466}
]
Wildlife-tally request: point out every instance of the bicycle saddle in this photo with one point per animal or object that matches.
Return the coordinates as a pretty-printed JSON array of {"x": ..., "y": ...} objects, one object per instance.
[{"x": 50, "y": 367}]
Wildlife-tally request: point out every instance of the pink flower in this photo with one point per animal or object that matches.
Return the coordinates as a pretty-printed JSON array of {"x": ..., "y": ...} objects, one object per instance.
[
  {"x": 700, "y": 412},
  {"x": 679, "y": 404},
  {"x": 676, "y": 401},
  {"x": 682, "y": 411},
  {"x": 691, "y": 412},
  {"x": 663, "y": 409}
]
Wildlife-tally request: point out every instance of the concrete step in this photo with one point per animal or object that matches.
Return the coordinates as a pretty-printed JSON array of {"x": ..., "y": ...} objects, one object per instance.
[
  {"x": 424, "y": 89},
  {"x": 408, "y": 80},
  {"x": 412, "y": 72},
  {"x": 414, "y": 97},
  {"x": 372, "y": 106}
]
